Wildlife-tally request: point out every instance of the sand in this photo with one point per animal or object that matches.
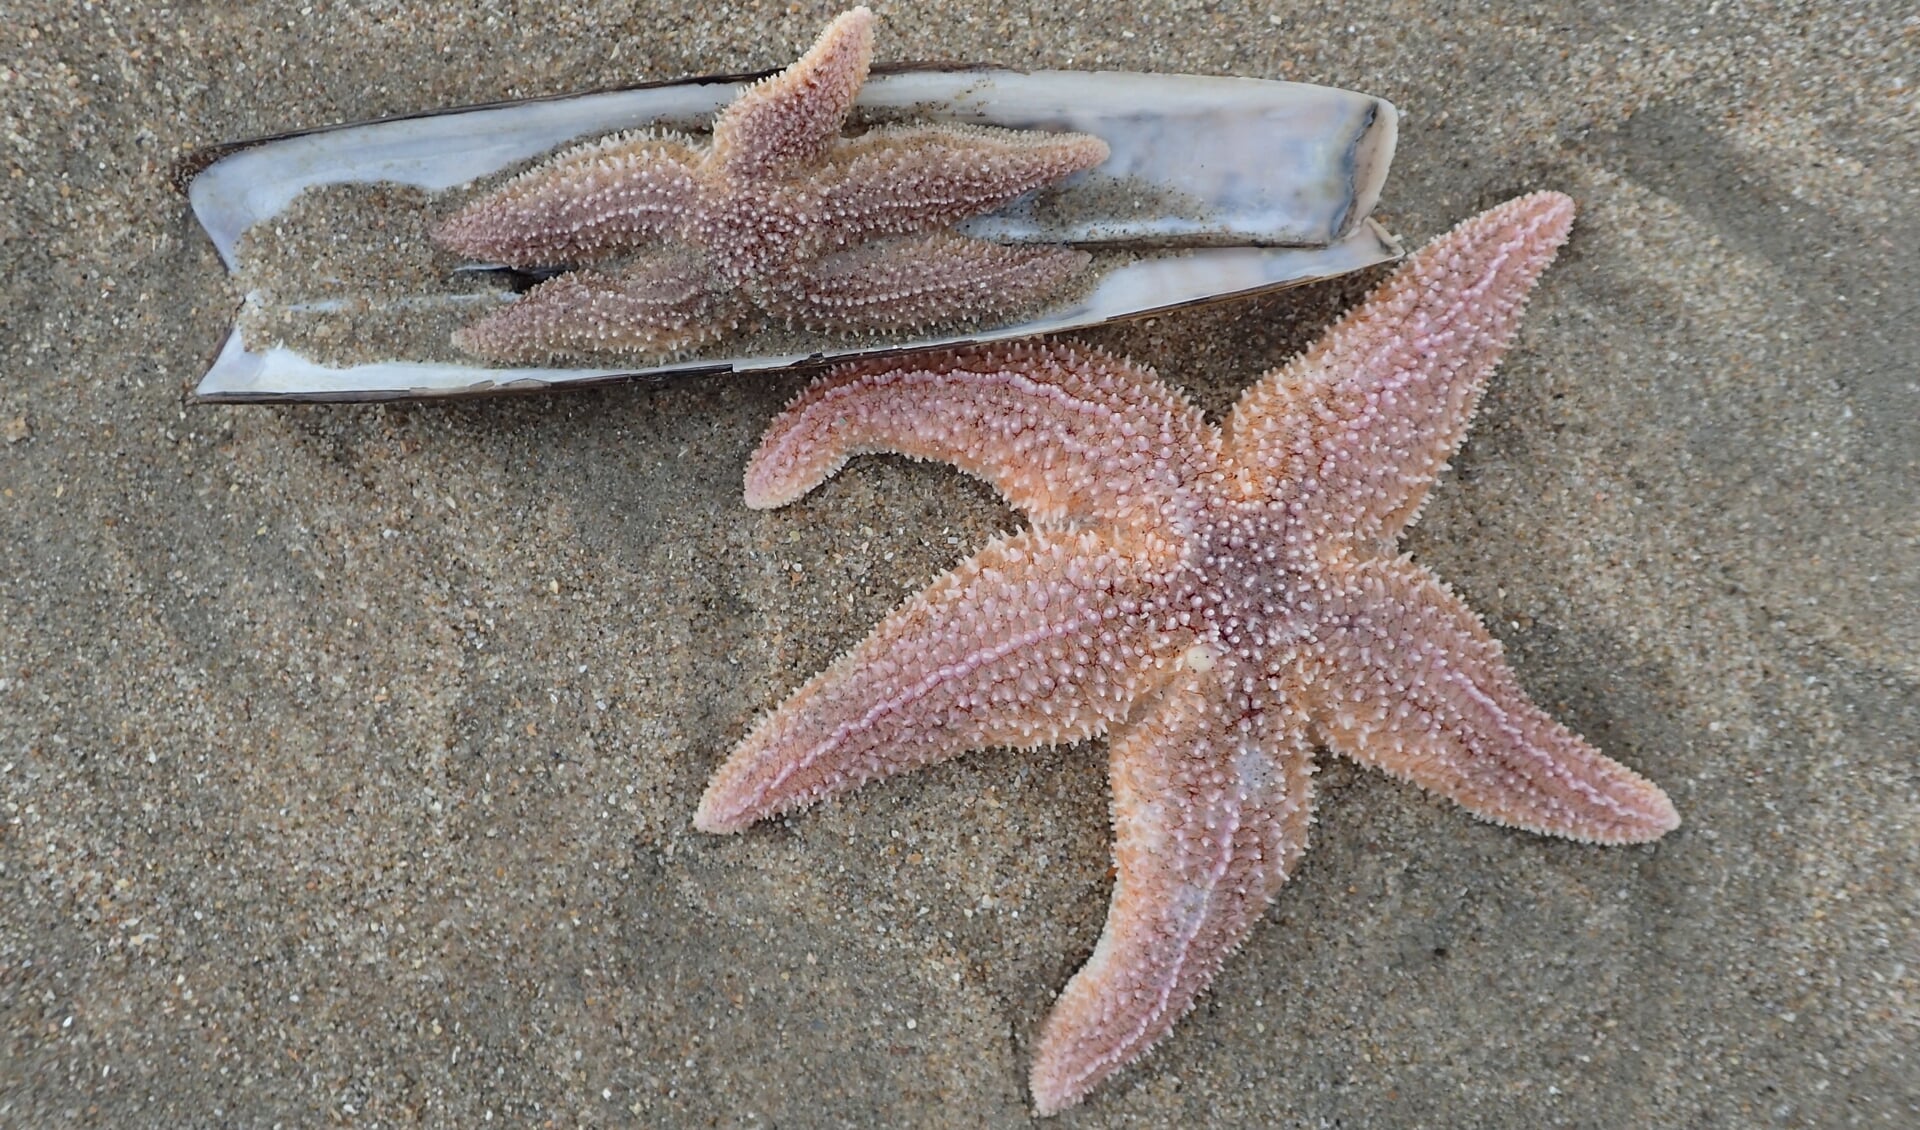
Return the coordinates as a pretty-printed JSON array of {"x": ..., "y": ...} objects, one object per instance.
[{"x": 348, "y": 754}]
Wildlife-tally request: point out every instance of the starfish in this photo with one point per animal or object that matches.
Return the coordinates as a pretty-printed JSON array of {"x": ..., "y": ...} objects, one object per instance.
[
  {"x": 1216, "y": 602},
  {"x": 778, "y": 211}
]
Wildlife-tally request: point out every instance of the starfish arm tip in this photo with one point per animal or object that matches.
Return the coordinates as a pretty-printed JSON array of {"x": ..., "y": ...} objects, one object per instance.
[
  {"x": 757, "y": 499},
  {"x": 1556, "y": 205},
  {"x": 452, "y": 233},
  {"x": 1652, "y": 817},
  {"x": 500, "y": 336},
  {"x": 1657, "y": 817},
  {"x": 712, "y": 818},
  {"x": 791, "y": 117},
  {"x": 1670, "y": 820},
  {"x": 788, "y": 464},
  {"x": 1641, "y": 814},
  {"x": 479, "y": 232},
  {"x": 1050, "y": 1094}
]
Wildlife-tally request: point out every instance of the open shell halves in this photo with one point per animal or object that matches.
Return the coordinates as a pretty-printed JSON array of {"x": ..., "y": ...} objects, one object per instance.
[{"x": 1214, "y": 187}]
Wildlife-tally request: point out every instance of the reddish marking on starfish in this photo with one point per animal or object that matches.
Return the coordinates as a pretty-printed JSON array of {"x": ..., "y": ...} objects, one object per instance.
[
  {"x": 1214, "y": 601},
  {"x": 778, "y": 212}
]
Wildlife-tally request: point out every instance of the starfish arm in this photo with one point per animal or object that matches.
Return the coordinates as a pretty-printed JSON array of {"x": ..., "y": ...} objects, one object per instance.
[
  {"x": 1402, "y": 676},
  {"x": 1066, "y": 433},
  {"x": 659, "y": 305},
  {"x": 896, "y": 180},
  {"x": 594, "y": 200},
  {"x": 791, "y": 118},
  {"x": 1038, "y": 639},
  {"x": 1211, "y": 807},
  {"x": 1362, "y": 422},
  {"x": 919, "y": 281}
]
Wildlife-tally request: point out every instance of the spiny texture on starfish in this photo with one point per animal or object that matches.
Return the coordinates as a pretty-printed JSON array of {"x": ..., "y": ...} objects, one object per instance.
[
  {"x": 1216, "y": 602},
  {"x": 778, "y": 212}
]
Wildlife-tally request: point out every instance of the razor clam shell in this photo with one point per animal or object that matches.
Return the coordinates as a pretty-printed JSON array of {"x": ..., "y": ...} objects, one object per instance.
[
  {"x": 1252, "y": 161},
  {"x": 1160, "y": 283},
  {"x": 1266, "y": 183}
]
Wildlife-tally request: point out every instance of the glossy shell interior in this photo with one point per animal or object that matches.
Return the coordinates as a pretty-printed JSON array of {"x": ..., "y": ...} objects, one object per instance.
[{"x": 1215, "y": 187}]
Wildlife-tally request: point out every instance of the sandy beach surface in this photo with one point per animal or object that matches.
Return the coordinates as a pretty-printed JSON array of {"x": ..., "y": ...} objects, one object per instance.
[{"x": 348, "y": 755}]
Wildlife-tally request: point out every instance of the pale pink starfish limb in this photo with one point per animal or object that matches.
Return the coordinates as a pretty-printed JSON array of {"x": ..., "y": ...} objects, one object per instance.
[
  {"x": 896, "y": 180},
  {"x": 602, "y": 198},
  {"x": 1238, "y": 596},
  {"x": 1406, "y": 679},
  {"x": 1065, "y": 433},
  {"x": 919, "y": 281},
  {"x": 1391, "y": 373},
  {"x": 1210, "y": 814},
  {"x": 661, "y": 304},
  {"x": 793, "y": 117},
  {"x": 922, "y": 687}
]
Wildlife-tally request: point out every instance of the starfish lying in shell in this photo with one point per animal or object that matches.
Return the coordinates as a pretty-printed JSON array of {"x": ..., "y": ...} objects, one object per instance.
[
  {"x": 778, "y": 212},
  {"x": 1216, "y": 602}
]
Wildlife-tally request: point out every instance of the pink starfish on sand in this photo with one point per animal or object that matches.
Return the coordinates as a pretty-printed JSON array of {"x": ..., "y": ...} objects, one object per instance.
[
  {"x": 779, "y": 212},
  {"x": 1216, "y": 602}
]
